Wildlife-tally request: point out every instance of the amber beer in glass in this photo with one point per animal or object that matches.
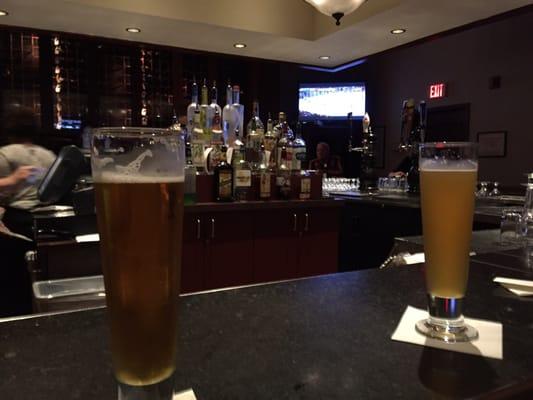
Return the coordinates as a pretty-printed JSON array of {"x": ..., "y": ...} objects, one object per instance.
[
  {"x": 138, "y": 177},
  {"x": 448, "y": 175}
]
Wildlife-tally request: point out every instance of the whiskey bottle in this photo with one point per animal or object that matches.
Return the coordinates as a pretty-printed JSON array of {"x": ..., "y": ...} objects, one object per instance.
[
  {"x": 242, "y": 173},
  {"x": 223, "y": 178}
]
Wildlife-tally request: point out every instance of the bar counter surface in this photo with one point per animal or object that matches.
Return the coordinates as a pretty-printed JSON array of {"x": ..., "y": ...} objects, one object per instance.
[{"x": 325, "y": 337}]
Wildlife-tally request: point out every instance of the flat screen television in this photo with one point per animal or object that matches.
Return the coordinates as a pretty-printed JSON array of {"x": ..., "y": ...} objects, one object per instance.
[{"x": 331, "y": 101}]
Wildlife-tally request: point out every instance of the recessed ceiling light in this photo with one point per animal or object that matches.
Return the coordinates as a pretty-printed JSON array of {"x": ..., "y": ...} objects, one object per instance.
[
  {"x": 133, "y": 30},
  {"x": 3, "y": 13},
  {"x": 398, "y": 31},
  {"x": 239, "y": 45},
  {"x": 324, "y": 57}
]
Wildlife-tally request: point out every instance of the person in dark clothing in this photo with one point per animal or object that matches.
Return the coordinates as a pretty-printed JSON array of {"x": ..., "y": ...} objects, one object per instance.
[{"x": 325, "y": 162}]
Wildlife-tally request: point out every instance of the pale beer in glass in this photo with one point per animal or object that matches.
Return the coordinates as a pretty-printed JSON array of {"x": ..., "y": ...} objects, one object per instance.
[{"x": 448, "y": 176}]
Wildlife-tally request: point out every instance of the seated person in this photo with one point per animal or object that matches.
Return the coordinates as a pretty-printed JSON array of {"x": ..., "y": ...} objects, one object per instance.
[
  {"x": 325, "y": 162},
  {"x": 22, "y": 163},
  {"x": 402, "y": 168}
]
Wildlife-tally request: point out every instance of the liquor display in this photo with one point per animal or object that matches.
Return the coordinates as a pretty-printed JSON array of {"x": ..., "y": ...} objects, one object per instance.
[
  {"x": 141, "y": 289},
  {"x": 256, "y": 164},
  {"x": 448, "y": 174}
]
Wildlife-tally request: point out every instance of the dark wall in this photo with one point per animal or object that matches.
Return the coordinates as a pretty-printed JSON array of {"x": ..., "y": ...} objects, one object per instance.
[{"x": 465, "y": 61}]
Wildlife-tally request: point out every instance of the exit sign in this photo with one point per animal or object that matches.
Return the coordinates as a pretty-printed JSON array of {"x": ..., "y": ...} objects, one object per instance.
[{"x": 437, "y": 90}]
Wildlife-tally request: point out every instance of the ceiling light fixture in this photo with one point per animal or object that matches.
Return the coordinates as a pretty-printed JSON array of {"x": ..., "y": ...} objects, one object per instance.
[
  {"x": 133, "y": 30},
  {"x": 239, "y": 45},
  {"x": 398, "y": 31},
  {"x": 336, "y": 8},
  {"x": 324, "y": 57},
  {"x": 3, "y": 13}
]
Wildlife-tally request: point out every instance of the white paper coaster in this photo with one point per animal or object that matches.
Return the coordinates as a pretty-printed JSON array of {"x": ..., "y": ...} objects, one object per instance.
[
  {"x": 185, "y": 395},
  {"x": 489, "y": 343}
]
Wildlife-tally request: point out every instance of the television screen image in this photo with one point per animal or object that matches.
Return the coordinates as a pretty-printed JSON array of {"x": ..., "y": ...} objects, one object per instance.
[{"x": 322, "y": 101}]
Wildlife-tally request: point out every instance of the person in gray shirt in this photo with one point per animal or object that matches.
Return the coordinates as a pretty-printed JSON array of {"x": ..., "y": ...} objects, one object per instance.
[{"x": 22, "y": 163}]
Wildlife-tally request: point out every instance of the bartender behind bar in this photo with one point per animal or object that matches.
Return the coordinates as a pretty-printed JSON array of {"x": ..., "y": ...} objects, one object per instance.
[{"x": 329, "y": 164}]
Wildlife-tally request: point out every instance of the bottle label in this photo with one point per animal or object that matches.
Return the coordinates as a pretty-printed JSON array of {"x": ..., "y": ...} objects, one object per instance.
[
  {"x": 243, "y": 178},
  {"x": 305, "y": 188},
  {"x": 264, "y": 191},
  {"x": 224, "y": 184},
  {"x": 197, "y": 153}
]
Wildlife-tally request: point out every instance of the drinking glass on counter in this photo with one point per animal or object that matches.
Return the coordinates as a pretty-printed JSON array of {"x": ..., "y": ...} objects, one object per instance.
[
  {"x": 511, "y": 226},
  {"x": 139, "y": 178},
  {"x": 448, "y": 174}
]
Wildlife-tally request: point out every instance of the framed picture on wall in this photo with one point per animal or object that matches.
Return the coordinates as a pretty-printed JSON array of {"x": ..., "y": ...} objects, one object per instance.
[{"x": 492, "y": 144}]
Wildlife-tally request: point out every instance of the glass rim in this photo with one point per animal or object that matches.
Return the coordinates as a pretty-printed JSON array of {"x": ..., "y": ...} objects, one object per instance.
[
  {"x": 133, "y": 131},
  {"x": 448, "y": 144}
]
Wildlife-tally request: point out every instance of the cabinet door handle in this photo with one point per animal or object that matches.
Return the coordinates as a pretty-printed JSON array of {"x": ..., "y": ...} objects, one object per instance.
[
  {"x": 295, "y": 223},
  {"x": 198, "y": 229},
  {"x": 212, "y": 228},
  {"x": 306, "y": 225}
]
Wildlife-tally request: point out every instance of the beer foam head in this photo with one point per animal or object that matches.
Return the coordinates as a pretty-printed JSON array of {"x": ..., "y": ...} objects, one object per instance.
[
  {"x": 153, "y": 171},
  {"x": 442, "y": 164}
]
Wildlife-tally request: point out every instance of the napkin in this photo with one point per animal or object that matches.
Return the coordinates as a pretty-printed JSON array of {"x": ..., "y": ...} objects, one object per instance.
[
  {"x": 185, "y": 395},
  {"x": 489, "y": 343},
  {"x": 519, "y": 287}
]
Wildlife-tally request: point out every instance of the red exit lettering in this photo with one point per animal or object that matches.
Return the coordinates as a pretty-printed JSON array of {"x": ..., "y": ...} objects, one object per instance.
[{"x": 437, "y": 90}]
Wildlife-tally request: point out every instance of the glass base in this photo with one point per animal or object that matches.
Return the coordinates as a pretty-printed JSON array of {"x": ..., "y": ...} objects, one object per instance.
[
  {"x": 163, "y": 390},
  {"x": 447, "y": 331}
]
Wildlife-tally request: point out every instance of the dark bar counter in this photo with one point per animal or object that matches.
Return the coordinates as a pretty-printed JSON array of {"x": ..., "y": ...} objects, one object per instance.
[{"x": 325, "y": 337}]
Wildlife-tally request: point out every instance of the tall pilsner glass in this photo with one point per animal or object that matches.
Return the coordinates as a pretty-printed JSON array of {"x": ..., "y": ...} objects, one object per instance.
[
  {"x": 138, "y": 175},
  {"x": 448, "y": 175}
]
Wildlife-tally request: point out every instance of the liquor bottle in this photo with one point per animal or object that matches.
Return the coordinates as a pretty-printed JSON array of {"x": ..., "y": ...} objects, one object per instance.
[
  {"x": 269, "y": 140},
  {"x": 255, "y": 131},
  {"x": 242, "y": 173},
  {"x": 283, "y": 177},
  {"x": 238, "y": 109},
  {"x": 198, "y": 143},
  {"x": 205, "y": 121},
  {"x": 265, "y": 176},
  {"x": 228, "y": 117},
  {"x": 299, "y": 151},
  {"x": 284, "y": 140},
  {"x": 367, "y": 178},
  {"x": 217, "y": 141},
  {"x": 223, "y": 177},
  {"x": 191, "y": 107},
  {"x": 216, "y": 128},
  {"x": 213, "y": 106},
  {"x": 189, "y": 191}
]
